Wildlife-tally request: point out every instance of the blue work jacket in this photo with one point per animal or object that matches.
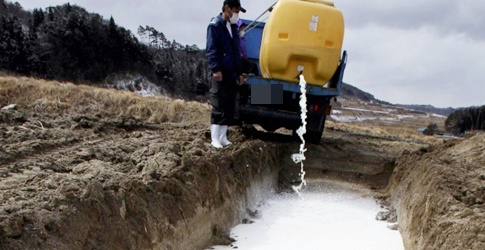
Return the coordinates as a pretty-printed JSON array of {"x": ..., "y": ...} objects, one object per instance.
[{"x": 222, "y": 50}]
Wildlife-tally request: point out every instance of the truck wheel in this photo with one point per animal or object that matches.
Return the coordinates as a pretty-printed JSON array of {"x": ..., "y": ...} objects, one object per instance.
[
  {"x": 313, "y": 137},
  {"x": 269, "y": 128}
]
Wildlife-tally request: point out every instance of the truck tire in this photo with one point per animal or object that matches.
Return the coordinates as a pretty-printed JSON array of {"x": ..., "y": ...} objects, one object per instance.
[
  {"x": 313, "y": 137},
  {"x": 269, "y": 128}
]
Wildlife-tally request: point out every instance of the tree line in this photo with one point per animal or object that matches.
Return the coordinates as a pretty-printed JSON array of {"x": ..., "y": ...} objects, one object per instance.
[
  {"x": 69, "y": 44},
  {"x": 466, "y": 119}
]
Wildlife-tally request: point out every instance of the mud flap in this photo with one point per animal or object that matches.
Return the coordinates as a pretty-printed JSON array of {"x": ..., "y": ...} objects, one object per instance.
[{"x": 315, "y": 129}]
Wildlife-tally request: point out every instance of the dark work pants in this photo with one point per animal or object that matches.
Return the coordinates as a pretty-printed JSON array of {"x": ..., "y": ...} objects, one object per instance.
[{"x": 223, "y": 100}]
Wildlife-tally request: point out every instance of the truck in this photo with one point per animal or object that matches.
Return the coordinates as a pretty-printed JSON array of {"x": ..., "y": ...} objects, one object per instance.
[{"x": 300, "y": 37}]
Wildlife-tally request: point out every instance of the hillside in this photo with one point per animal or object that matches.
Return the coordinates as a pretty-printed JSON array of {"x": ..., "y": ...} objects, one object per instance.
[
  {"x": 428, "y": 108},
  {"x": 83, "y": 167},
  {"x": 67, "y": 43},
  {"x": 351, "y": 92}
]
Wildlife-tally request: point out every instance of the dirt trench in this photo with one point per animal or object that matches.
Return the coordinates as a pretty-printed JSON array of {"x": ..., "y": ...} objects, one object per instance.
[
  {"x": 434, "y": 193},
  {"x": 439, "y": 193},
  {"x": 91, "y": 182},
  {"x": 85, "y": 182}
]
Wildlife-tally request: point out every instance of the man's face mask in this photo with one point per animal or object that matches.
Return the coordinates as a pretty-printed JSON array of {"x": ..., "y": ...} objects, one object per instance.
[{"x": 234, "y": 18}]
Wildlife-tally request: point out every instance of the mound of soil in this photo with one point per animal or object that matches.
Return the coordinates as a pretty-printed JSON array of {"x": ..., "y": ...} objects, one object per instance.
[
  {"x": 92, "y": 182},
  {"x": 439, "y": 195}
]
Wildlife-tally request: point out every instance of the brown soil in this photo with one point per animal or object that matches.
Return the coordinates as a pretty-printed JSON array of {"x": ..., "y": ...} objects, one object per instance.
[
  {"x": 89, "y": 175},
  {"x": 87, "y": 182},
  {"x": 439, "y": 195}
]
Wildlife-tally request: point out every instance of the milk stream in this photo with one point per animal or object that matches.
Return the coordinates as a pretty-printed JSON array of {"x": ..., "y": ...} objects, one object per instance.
[{"x": 300, "y": 157}]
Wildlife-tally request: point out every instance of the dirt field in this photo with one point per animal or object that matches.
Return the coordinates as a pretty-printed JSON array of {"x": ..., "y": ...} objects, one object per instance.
[
  {"x": 84, "y": 168},
  {"x": 439, "y": 195}
]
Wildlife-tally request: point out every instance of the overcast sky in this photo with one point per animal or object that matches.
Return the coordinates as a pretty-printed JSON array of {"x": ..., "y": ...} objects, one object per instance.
[{"x": 411, "y": 52}]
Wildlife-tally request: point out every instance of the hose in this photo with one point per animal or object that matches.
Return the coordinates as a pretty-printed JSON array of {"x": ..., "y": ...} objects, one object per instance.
[{"x": 249, "y": 28}]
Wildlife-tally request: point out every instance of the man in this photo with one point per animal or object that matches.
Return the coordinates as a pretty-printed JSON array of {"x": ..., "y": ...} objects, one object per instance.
[{"x": 223, "y": 55}]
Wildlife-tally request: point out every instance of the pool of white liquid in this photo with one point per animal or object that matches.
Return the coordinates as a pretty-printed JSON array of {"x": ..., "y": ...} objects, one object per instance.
[{"x": 328, "y": 215}]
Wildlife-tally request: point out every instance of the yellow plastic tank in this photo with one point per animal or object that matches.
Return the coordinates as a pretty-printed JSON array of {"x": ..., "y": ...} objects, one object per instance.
[{"x": 302, "y": 35}]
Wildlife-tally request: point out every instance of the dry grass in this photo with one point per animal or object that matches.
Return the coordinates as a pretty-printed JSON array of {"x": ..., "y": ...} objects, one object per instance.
[
  {"x": 52, "y": 96},
  {"x": 399, "y": 132},
  {"x": 55, "y": 97}
]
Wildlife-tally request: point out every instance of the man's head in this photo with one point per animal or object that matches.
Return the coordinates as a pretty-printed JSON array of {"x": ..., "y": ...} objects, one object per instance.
[
  {"x": 233, "y": 5},
  {"x": 230, "y": 10}
]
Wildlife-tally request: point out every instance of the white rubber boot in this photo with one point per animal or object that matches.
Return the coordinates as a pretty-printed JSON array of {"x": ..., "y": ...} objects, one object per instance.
[
  {"x": 223, "y": 134},
  {"x": 216, "y": 136}
]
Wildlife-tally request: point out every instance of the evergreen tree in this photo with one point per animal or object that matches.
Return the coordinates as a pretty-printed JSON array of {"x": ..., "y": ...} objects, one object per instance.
[
  {"x": 432, "y": 129},
  {"x": 14, "y": 47},
  {"x": 38, "y": 19},
  {"x": 3, "y": 8},
  {"x": 466, "y": 119},
  {"x": 68, "y": 43}
]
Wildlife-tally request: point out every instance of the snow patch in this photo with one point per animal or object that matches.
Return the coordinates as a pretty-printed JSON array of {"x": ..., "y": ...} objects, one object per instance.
[
  {"x": 405, "y": 116},
  {"x": 11, "y": 106},
  {"x": 367, "y": 110},
  {"x": 439, "y": 116},
  {"x": 136, "y": 84},
  {"x": 347, "y": 118}
]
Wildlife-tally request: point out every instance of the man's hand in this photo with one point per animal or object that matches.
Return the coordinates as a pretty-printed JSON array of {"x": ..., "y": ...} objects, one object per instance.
[
  {"x": 217, "y": 76},
  {"x": 240, "y": 80}
]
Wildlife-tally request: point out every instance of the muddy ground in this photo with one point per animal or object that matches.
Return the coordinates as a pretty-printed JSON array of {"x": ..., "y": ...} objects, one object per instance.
[
  {"x": 87, "y": 180},
  {"x": 439, "y": 194}
]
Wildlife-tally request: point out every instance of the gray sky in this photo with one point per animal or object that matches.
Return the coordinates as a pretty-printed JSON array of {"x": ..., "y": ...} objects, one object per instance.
[{"x": 412, "y": 52}]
